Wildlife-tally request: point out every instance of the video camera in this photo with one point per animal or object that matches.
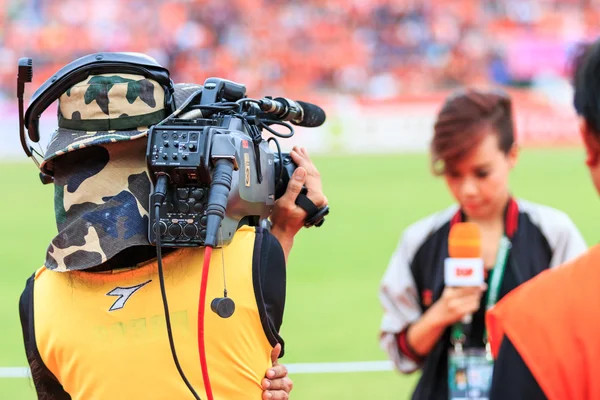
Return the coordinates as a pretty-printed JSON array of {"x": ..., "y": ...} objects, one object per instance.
[
  {"x": 206, "y": 157},
  {"x": 212, "y": 168}
]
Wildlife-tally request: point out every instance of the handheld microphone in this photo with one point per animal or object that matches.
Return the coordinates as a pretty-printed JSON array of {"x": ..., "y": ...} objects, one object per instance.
[
  {"x": 464, "y": 267},
  {"x": 297, "y": 112}
]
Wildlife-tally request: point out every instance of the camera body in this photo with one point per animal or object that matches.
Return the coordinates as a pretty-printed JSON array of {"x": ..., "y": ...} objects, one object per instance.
[{"x": 186, "y": 151}]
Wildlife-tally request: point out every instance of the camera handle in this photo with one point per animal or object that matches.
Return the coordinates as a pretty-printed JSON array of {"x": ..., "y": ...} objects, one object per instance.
[{"x": 316, "y": 215}]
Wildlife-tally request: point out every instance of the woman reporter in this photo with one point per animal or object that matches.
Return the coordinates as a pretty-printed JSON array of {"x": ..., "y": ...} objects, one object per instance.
[{"x": 473, "y": 148}]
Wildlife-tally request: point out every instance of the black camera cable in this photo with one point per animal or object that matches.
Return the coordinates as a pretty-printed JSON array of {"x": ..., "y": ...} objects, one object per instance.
[{"x": 160, "y": 192}]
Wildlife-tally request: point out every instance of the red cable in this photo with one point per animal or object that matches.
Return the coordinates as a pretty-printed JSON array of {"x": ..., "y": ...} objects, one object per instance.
[{"x": 201, "y": 306}]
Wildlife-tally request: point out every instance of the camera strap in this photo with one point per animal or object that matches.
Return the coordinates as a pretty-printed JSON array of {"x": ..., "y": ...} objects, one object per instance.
[{"x": 316, "y": 215}]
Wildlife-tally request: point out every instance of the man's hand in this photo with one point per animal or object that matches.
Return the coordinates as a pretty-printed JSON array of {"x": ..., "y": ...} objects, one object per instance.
[
  {"x": 287, "y": 217},
  {"x": 276, "y": 385}
]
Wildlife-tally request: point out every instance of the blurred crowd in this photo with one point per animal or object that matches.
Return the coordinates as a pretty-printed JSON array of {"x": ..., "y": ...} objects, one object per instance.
[{"x": 372, "y": 48}]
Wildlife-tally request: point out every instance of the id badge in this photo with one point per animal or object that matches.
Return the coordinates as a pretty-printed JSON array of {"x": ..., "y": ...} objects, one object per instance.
[{"x": 469, "y": 375}]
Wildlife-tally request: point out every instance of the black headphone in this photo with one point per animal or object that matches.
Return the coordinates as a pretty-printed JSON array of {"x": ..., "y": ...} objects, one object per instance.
[{"x": 77, "y": 71}]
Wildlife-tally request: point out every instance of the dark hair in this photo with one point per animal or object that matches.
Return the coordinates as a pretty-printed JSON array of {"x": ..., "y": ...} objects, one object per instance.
[
  {"x": 586, "y": 82},
  {"x": 459, "y": 125}
]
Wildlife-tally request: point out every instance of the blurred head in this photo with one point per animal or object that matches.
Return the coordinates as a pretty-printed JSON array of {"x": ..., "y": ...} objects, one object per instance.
[
  {"x": 473, "y": 148},
  {"x": 587, "y": 104}
]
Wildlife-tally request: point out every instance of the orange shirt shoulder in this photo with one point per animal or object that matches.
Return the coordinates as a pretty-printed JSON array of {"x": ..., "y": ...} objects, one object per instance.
[{"x": 554, "y": 323}]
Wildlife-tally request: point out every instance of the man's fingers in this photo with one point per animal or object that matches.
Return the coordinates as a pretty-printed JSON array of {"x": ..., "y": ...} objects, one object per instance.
[
  {"x": 313, "y": 180},
  {"x": 275, "y": 353},
  {"x": 277, "y": 389},
  {"x": 302, "y": 159},
  {"x": 284, "y": 384},
  {"x": 275, "y": 395},
  {"x": 298, "y": 158},
  {"x": 278, "y": 371},
  {"x": 273, "y": 385},
  {"x": 295, "y": 185}
]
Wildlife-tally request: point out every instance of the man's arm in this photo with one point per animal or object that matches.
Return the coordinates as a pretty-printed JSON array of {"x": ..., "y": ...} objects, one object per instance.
[
  {"x": 272, "y": 275},
  {"x": 287, "y": 217},
  {"x": 46, "y": 384},
  {"x": 512, "y": 378}
]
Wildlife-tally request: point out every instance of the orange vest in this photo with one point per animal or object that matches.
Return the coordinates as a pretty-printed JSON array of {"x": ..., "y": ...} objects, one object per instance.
[
  {"x": 554, "y": 323},
  {"x": 100, "y": 346}
]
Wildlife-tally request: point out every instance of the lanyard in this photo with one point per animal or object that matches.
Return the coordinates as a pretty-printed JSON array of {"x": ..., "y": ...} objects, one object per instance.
[{"x": 496, "y": 279}]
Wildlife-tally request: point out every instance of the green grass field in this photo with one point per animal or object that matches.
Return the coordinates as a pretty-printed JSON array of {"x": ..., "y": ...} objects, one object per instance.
[{"x": 332, "y": 311}]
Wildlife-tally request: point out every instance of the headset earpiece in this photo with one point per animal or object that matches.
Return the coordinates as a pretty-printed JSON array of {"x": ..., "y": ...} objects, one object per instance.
[{"x": 46, "y": 179}]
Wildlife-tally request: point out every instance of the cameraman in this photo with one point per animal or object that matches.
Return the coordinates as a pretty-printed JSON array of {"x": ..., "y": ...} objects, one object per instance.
[{"x": 92, "y": 319}]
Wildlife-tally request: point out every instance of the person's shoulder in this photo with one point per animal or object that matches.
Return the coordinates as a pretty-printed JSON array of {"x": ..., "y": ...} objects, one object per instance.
[
  {"x": 261, "y": 234},
  {"x": 416, "y": 234},
  {"x": 554, "y": 295},
  {"x": 28, "y": 289},
  {"x": 581, "y": 270},
  {"x": 571, "y": 277},
  {"x": 546, "y": 217}
]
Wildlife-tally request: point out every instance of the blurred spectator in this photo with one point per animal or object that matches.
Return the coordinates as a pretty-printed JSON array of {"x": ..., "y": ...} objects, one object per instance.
[{"x": 376, "y": 48}]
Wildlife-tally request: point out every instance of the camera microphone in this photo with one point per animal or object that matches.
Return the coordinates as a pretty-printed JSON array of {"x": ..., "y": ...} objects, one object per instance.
[
  {"x": 297, "y": 112},
  {"x": 24, "y": 75}
]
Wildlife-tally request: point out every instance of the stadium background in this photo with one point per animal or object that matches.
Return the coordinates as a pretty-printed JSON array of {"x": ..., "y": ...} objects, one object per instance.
[{"x": 380, "y": 70}]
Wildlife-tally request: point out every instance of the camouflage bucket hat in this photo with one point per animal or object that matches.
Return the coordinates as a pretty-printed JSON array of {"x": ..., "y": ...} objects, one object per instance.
[
  {"x": 101, "y": 195},
  {"x": 103, "y": 109}
]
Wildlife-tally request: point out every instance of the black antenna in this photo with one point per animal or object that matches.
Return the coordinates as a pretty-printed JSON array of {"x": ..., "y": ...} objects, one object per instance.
[{"x": 24, "y": 75}]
